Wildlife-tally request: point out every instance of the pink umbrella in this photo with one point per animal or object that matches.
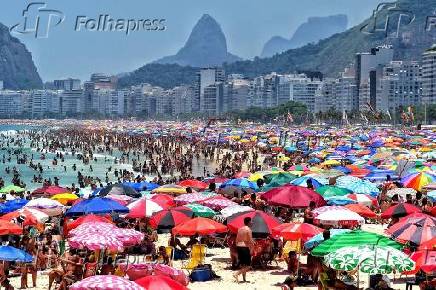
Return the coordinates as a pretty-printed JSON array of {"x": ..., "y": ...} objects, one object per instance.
[
  {"x": 128, "y": 237},
  {"x": 93, "y": 227},
  {"x": 218, "y": 202},
  {"x": 95, "y": 241},
  {"x": 190, "y": 198},
  {"x": 105, "y": 282}
]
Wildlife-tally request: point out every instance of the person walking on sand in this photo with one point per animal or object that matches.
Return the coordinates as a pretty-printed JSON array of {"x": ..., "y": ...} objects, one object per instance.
[{"x": 244, "y": 246}]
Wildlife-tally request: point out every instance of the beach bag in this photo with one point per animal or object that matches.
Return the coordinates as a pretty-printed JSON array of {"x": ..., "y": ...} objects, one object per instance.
[{"x": 201, "y": 274}]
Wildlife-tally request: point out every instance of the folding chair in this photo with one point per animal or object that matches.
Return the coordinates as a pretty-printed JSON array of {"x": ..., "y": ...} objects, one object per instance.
[{"x": 197, "y": 257}]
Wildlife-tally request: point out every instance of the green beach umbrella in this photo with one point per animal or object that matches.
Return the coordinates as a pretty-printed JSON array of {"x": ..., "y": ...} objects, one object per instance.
[
  {"x": 201, "y": 210},
  {"x": 330, "y": 191},
  {"x": 369, "y": 259},
  {"x": 353, "y": 238},
  {"x": 279, "y": 178},
  {"x": 10, "y": 188}
]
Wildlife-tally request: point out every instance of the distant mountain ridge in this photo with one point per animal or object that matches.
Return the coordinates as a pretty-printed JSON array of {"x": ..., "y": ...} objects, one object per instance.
[
  {"x": 17, "y": 70},
  {"x": 331, "y": 55},
  {"x": 206, "y": 46},
  {"x": 313, "y": 30}
]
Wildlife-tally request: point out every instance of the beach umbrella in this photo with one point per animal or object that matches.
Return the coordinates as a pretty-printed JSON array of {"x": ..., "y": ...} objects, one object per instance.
[
  {"x": 193, "y": 183},
  {"x": 279, "y": 178},
  {"x": 12, "y": 205},
  {"x": 347, "y": 180},
  {"x": 240, "y": 183},
  {"x": 425, "y": 261},
  {"x": 331, "y": 162},
  {"x": 29, "y": 215},
  {"x": 164, "y": 200},
  {"x": 429, "y": 245},
  {"x": 337, "y": 215},
  {"x": 292, "y": 196},
  {"x": 65, "y": 198},
  {"x": 364, "y": 199},
  {"x": 93, "y": 227},
  {"x": 159, "y": 282},
  {"x": 242, "y": 174},
  {"x": 361, "y": 210},
  {"x": 363, "y": 187},
  {"x": 216, "y": 179},
  {"x": 317, "y": 239},
  {"x": 316, "y": 181},
  {"x": 401, "y": 191},
  {"x": 399, "y": 210},
  {"x": 121, "y": 199},
  {"x": 199, "y": 226},
  {"x": 105, "y": 282},
  {"x": 170, "y": 189},
  {"x": 218, "y": 202},
  {"x": 296, "y": 231},
  {"x": 352, "y": 238},
  {"x": 415, "y": 230},
  {"x": 46, "y": 205},
  {"x": 380, "y": 175},
  {"x": 8, "y": 253},
  {"x": 330, "y": 191},
  {"x": 169, "y": 218},
  {"x": 432, "y": 195},
  {"x": 371, "y": 259},
  {"x": 143, "y": 208},
  {"x": 96, "y": 205},
  {"x": 11, "y": 188},
  {"x": 300, "y": 167},
  {"x": 339, "y": 200},
  {"x": 192, "y": 197},
  {"x": 234, "y": 209},
  {"x": 50, "y": 190},
  {"x": 418, "y": 180},
  {"x": 119, "y": 189},
  {"x": 8, "y": 228},
  {"x": 90, "y": 218},
  {"x": 201, "y": 210},
  {"x": 261, "y": 222},
  {"x": 141, "y": 186}
]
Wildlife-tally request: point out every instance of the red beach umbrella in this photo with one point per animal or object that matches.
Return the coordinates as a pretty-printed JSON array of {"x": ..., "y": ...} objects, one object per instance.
[
  {"x": 50, "y": 190},
  {"x": 261, "y": 223},
  {"x": 292, "y": 196},
  {"x": 400, "y": 210},
  {"x": 361, "y": 210},
  {"x": 159, "y": 282},
  {"x": 169, "y": 218},
  {"x": 201, "y": 226},
  {"x": 197, "y": 184},
  {"x": 296, "y": 231}
]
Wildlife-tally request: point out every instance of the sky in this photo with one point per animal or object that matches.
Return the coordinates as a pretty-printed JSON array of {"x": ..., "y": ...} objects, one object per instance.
[{"x": 247, "y": 24}]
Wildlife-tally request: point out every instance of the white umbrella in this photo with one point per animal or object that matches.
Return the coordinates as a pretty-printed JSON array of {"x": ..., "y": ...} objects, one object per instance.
[
  {"x": 46, "y": 205},
  {"x": 339, "y": 216},
  {"x": 231, "y": 210}
]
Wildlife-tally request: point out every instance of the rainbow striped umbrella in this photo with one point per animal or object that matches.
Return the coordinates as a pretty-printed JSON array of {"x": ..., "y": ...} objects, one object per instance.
[{"x": 418, "y": 180}]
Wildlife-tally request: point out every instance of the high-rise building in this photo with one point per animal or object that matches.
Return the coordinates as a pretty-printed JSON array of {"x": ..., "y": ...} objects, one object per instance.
[
  {"x": 67, "y": 84},
  {"x": 11, "y": 104},
  {"x": 400, "y": 85},
  {"x": 429, "y": 76},
  {"x": 213, "y": 99},
  {"x": 182, "y": 100},
  {"x": 367, "y": 64},
  {"x": 205, "y": 77},
  {"x": 103, "y": 81},
  {"x": 238, "y": 96},
  {"x": 72, "y": 103},
  {"x": 1, "y": 85}
]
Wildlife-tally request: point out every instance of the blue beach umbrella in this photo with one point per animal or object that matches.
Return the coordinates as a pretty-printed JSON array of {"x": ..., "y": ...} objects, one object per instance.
[
  {"x": 8, "y": 253},
  {"x": 316, "y": 182},
  {"x": 339, "y": 200},
  {"x": 241, "y": 183},
  {"x": 316, "y": 240},
  {"x": 12, "y": 205},
  {"x": 97, "y": 205}
]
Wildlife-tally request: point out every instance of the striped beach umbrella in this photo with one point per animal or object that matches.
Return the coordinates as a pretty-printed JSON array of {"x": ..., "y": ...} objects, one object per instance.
[
  {"x": 201, "y": 210},
  {"x": 330, "y": 191},
  {"x": 353, "y": 238},
  {"x": 400, "y": 210},
  {"x": 418, "y": 180},
  {"x": 105, "y": 282}
]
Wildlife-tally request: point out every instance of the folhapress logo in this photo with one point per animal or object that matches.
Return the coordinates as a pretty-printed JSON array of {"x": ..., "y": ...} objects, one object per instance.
[{"x": 38, "y": 20}]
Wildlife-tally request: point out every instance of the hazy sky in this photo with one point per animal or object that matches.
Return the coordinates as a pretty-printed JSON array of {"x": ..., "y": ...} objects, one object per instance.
[{"x": 247, "y": 24}]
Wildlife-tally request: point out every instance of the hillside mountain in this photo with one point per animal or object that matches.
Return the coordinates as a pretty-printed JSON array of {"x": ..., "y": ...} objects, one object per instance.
[
  {"x": 17, "y": 70},
  {"x": 206, "y": 46},
  {"x": 313, "y": 30},
  {"x": 331, "y": 55}
]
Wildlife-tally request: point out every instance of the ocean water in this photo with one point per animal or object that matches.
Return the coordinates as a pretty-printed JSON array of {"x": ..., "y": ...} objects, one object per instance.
[
  {"x": 69, "y": 176},
  {"x": 66, "y": 177}
]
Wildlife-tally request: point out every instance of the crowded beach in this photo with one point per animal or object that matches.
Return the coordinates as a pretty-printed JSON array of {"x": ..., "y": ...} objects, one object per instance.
[{"x": 195, "y": 205}]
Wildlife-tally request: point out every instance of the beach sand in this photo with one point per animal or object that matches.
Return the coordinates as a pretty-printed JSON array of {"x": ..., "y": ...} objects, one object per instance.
[{"x": 220, "y": 261}]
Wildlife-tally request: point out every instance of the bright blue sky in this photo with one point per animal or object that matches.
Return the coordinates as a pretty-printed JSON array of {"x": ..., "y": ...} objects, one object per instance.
[{"x": 247, "y": 24}]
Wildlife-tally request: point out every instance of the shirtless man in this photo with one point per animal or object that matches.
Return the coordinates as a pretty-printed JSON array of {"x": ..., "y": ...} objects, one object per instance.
[{"x": 244, "y": 246}]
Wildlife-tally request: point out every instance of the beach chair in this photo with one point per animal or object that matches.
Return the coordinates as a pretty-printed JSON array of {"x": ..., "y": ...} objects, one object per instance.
[
  {"x": 292, "y": 246},
  {"x": 197, "y": 257},
  {"x": 170, "y": 252}
]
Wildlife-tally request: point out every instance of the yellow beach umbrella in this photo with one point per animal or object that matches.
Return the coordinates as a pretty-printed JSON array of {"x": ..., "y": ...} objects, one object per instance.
[
  {"x": 65, "y": 198},
  {"x": 331, "y": 162}
]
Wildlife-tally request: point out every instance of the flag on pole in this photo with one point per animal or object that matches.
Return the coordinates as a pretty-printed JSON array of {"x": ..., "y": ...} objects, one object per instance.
[{"x": 289, "y": 118}]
